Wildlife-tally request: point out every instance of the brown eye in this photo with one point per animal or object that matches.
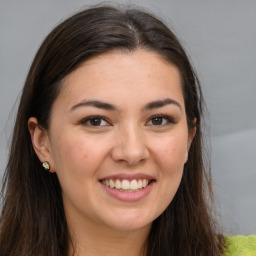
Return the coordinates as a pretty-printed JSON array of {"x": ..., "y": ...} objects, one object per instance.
[
  {"x": 157, "y": 121},
  {"x": 95, "y": 121},
  {"x": 160, "y": 120}
]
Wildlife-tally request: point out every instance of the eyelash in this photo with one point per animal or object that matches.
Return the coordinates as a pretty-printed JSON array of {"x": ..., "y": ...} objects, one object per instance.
[
  {"x": 168, "y": 119},
  {"x": 91, "y": 118}
]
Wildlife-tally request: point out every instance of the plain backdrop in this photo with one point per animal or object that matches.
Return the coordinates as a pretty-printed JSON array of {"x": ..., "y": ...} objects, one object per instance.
[{"x": 220, "y": 38}]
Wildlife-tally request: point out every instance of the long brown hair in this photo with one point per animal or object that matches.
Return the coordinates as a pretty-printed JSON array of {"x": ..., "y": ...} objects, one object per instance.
[{"x": 33, "y": 219}]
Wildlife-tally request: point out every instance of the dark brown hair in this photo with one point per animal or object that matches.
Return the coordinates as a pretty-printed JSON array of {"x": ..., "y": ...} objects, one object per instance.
[{"x": 33, "y": 219}]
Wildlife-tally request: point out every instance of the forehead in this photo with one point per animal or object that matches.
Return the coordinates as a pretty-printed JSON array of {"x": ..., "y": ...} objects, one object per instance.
[{"x": 119, "y": 75}]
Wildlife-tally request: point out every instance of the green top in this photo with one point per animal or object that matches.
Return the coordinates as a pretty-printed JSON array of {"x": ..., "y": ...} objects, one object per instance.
[{"x": 240, "y": 246}]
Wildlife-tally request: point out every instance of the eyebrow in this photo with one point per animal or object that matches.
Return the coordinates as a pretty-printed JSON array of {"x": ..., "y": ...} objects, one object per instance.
[
  {"x": 108, "y": 106},
  {"x": 161, "y": 103},
  {"x": 94, "y": 103}
]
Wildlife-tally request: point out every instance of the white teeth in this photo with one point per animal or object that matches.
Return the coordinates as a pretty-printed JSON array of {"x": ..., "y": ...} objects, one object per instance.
[
  {"x": 111, "y": 183},
  {"x": 118, "y": 184},
  {"x": 139, "y": 184},
  {"x": 144, "y": 183},
  {"x": 126, "y": 185},
  {"x": 133, "y": 184}
]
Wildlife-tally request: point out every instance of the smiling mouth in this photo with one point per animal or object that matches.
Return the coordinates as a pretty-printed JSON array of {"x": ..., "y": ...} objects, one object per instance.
[{"x": 125, "y": 185}]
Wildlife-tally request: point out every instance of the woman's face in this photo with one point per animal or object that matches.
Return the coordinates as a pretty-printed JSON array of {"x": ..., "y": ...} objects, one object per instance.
[{"x": 118, "y": 139}]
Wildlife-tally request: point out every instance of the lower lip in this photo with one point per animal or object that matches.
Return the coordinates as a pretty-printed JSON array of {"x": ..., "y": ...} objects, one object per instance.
[{"x": 129, "y": 196}]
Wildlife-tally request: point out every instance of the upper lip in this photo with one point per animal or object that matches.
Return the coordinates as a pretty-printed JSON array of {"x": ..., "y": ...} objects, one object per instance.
[{"x": 128, "y": 176}]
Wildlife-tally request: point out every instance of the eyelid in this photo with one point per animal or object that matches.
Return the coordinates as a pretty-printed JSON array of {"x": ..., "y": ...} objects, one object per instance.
[
  {"x": 169, "y": 119},
  {"x": 87, "y": 119}
]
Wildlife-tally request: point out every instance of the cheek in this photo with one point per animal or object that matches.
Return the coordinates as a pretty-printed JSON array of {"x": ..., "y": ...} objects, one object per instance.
[
  {"x": 169, "y": 160},
  {"x": 76, "y": 155},
  {"x": 77, "y": 161},
  {"x": 172, "y": 152}
]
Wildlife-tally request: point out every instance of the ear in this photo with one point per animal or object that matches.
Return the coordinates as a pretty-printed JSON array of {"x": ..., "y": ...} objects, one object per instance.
[
  {"x": 191, "y": 135},
  {"x": 40, "y": 141}
]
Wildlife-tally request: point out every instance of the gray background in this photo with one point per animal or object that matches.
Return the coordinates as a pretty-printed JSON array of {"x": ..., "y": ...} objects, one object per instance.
[{"x": 220, "y": 38}]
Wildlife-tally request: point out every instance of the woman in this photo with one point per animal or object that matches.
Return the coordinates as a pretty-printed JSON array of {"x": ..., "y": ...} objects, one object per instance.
[{"x": 106, "y": 153}]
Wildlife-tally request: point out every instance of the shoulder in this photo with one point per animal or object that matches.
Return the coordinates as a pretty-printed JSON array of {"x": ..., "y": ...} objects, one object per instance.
[{"x": 240, "y": 245}]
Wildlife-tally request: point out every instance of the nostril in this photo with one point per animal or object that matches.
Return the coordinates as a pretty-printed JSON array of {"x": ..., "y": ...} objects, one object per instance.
[{"x": 130, "y": 149}]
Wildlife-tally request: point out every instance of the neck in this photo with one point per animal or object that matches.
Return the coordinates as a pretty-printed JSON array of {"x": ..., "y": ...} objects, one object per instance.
[{"x": 93, "y": 239}]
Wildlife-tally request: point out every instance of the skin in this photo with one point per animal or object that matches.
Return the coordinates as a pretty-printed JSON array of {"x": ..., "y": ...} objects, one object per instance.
[{"x": 128, "y": 140}]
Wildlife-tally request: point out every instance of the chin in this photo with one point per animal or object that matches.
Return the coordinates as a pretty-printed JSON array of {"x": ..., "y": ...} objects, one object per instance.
[{"x": 130, "y": 220}]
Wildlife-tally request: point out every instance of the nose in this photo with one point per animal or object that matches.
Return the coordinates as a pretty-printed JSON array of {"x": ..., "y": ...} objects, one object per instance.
[{"x": 130, "y": 147}]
